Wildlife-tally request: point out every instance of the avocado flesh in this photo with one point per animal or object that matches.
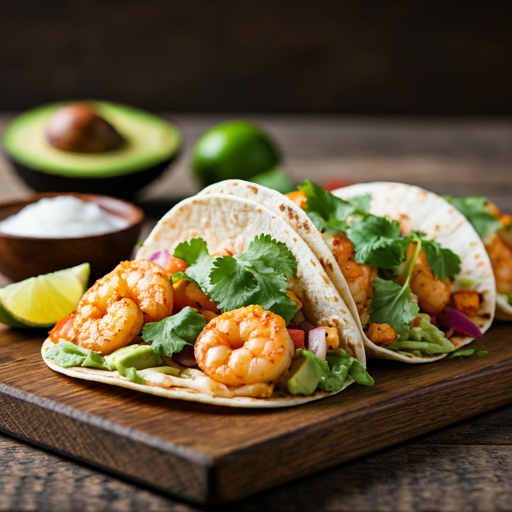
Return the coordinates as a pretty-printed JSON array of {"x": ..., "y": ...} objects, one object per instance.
[
  {"x": 150, "y": 141},
  {"x": 303, "y": 376},
  {"x": 133, "y": 356}
]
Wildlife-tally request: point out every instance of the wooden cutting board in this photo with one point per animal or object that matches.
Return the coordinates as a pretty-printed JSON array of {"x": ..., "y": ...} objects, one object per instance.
[{"x": 211, "y": 454}]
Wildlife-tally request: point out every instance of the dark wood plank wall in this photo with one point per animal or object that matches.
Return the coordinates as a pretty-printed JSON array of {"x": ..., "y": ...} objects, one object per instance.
[{"x": 375, "y": 57}]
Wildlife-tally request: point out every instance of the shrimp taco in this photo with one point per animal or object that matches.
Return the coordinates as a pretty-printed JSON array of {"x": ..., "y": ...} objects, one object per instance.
[
  {"x": 409, "y": 267},
  {"x": 232, "y": 308},
  {"x": 495, "y": 230}
]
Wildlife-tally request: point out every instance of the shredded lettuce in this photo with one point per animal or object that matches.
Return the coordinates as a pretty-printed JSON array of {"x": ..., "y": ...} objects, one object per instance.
[
  {"x": 67, "y": 354},
  {"x": 425, "y": 338}
]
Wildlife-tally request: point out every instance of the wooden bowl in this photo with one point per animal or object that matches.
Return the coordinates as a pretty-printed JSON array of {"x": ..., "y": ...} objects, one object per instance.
[{"x": 23, "y": 256}]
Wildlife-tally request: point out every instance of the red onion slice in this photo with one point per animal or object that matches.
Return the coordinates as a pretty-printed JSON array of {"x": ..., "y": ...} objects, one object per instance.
[
  {"x": 317, "y": 342},
  {"x": 163, "y": 258},
  {"x": 452, "y": 318},
  {"x": 186, "y": 356}
]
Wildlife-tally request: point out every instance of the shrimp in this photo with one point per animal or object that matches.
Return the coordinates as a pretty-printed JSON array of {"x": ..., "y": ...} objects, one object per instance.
[
  {"x": 244, "y": 346},
  {"x": 112, "y": 312},
  {"x": 500, "y": 254},
  {"x": 105, "y": 332},
  {"x": 359, "y": 276},
  {"x": 433, "y": 294},
  {"x": 150, "y": 288}
]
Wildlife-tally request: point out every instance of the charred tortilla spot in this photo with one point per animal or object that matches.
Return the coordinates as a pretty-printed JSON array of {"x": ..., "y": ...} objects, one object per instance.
[
  {"x": 252, "y": 187},
  {"x": 485, "y": 316},
  {"x": 314, "y": 264},
  {"x": 282, "y": 207},
  {"x": 336, "y": 299}
]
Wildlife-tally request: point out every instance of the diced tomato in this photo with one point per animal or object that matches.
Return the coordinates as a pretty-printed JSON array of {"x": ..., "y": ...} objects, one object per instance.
[
  {"x": 62, "y": 328},
  {"x": 176, "y": 265},
  {"x": 334, "y": 183},
  {"x": 297, "y": 337}
]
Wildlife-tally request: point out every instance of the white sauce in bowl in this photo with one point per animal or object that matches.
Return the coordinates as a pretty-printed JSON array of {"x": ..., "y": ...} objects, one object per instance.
[{"x": 61, "y": 217}]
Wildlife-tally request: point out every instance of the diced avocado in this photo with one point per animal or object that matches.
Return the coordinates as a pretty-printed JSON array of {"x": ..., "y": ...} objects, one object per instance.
[
  {"x": 133, "y": 356},
  {"x": 303, "y": 376}
]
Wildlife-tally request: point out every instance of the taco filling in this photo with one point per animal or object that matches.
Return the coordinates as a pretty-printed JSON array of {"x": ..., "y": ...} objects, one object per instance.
[
  {"x": 495, "y": 230},
  {"x": 401, "y": 281},
  {"x": 223, "y": 325}
]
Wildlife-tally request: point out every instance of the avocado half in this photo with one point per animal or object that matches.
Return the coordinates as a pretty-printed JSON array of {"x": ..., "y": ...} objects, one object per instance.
[{"x": 150, "y": 145}]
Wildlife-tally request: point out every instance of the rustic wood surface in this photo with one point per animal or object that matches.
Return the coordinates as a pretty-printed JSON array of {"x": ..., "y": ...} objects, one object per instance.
[
  {"x": 465, "y": 467},
  {"x": 193, "y": 450}
]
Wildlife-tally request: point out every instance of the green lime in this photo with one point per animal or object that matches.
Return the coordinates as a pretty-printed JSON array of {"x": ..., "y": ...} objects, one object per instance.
[
  {"x": 231, "y": 150},
  {"x": 43, "y": 300}
]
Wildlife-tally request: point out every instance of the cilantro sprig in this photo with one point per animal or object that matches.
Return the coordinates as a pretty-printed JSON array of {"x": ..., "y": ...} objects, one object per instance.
[
  {"x": 330, "y": 213},
  {"x": 378, "y": 241},
  {"x": 391, "y": 302},
  {"x": 476, "y": 210},
  {"x": 258, "y": 275}
]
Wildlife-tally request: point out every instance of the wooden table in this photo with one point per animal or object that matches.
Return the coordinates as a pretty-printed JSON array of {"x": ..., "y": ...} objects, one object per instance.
[{"x": 463, "y": 467}]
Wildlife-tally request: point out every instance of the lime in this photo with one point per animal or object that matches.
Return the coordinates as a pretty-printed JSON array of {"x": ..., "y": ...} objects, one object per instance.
[
  {"x": 231, "y": 150},
  {"x": 43, "y": 300}
]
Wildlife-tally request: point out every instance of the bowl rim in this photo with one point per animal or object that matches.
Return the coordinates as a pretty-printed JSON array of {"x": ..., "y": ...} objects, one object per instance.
[{"x": 138, "y": 214}]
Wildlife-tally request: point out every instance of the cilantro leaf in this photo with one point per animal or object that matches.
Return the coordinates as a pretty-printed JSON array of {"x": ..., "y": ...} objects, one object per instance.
[
  {"x": 258, "y": 275},
  {"x": 443, "y": 262},
  {"x": 170, "y": 335},
  {"x": 476, "y": 210},
  {"x": 361, "y": 203},
  {"x": 391, "y": 305},
  {"x": 195, "y": 254},
  {"x": 67, "y": 354},
  {"x": 378, "y": 241},
  {"x": 268, "y": 255},
  {"x": 329, "y": 212}
]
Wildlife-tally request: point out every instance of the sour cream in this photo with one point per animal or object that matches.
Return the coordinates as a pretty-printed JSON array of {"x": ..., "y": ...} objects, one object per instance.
[{"x": 61, "y": 217}]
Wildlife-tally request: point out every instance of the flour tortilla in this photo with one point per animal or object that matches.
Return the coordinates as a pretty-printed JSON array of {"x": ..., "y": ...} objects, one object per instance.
[
  {"x": 230, "y": 223},
  {"x": 503, "y": 308},
  {"x": 295, "y": 217},
  {"x": 420, "y": 210}
]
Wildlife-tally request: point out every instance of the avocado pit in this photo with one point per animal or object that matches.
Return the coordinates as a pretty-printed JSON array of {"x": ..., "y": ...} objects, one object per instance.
[{"x": 77, "y": 128}]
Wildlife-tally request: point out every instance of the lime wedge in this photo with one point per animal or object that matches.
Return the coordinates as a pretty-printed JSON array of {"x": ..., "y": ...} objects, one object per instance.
[{"x": 42, "y": 301}]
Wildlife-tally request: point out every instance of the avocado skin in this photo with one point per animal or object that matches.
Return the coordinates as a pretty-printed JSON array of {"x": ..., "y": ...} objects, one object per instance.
[{"x": 124, "y": 186}]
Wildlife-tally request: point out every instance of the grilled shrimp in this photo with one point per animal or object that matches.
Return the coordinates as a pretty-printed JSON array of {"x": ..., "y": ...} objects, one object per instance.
[
  {"x": 359, "y": 276},
  {"x": 106, "y": 331},
  {"x": 150, "y": 288},
  {"x": 244, "y": 346},
  {"x": 500, "y": 254},
  {"x": 112, "y": 312},
  {"x": 433, "y": 294}
]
